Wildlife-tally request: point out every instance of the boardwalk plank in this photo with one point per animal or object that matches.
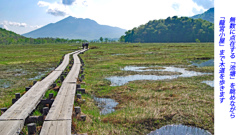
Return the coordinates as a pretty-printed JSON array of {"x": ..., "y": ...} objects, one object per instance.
[
  {"x": 11, "y": 127},
  {"x": 57, "y": 128},
  {"x": 12, "y": 121},
  {"x": 58, "y": 120}
]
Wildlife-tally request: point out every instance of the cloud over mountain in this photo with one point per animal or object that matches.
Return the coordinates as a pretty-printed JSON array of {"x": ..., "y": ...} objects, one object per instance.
[
  {"x": 17, "y": 24},
  {"x": 55, "y": 9},
  {"x": 205, "y": 3}
]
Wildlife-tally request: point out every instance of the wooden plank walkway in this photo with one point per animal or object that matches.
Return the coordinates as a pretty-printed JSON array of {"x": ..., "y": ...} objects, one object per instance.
[
  {"x": 59, "y": 118},
  {"x": 12, "y": 121}
]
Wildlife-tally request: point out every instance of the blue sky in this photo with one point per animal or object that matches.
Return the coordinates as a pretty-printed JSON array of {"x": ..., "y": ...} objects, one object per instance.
[{"x": 23, "y": 16}]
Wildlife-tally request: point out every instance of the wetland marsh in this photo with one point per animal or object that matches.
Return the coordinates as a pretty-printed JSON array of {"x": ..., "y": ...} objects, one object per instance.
[{"x": 143, "y": 105}]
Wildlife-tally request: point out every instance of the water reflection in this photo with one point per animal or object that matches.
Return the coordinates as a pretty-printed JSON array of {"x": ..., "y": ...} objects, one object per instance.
[
  {"x": 210, "y": 83},
  {"x": 121, "y": 80},
  {"x": 106, "y": 105},
  {"x": 201, "y": 63},
  {"x": 179, "y": 130},
  {"x": 5, "y": 83}
]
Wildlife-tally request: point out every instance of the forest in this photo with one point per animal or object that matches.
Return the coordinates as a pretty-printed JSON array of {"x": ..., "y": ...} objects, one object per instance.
[
  {"x": 9, "y": 37},
  {"x": 172, "y": 29}
]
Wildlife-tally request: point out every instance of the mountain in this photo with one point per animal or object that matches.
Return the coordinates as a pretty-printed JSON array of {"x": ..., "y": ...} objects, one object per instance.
[
  {"x": 172, "y": 29},
  {"x": 8, "y": 34},
  {"x": 208, "y": 15},
  {"x": 9, "y": 37},
  {"x": 76, "y": 28}
]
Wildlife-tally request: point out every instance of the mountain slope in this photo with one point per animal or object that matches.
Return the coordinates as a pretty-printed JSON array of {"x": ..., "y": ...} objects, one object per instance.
[
  {"x": 9, "y": 34},
  {"x": 208, "y": 15},
  {"x": 9, "y": 37},
  {"x": 173, "y": 29},
  {"x": 76, "y": 28}
]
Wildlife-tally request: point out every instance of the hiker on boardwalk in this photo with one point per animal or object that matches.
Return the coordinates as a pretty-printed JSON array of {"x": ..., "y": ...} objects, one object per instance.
[
  {"x": 86, "y": 44},
  {"x": 83, "y": 44}
]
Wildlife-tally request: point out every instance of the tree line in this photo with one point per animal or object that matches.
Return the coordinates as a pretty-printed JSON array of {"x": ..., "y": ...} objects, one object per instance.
[
  {"x": 9, "y": 37},
  {"x": 172, "y": 29}
]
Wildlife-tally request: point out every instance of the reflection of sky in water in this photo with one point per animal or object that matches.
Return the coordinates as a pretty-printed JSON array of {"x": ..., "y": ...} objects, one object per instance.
[
  {"x": 210, "y": 83},
  {"x": 106, "y": 105},
  {"x": 5, "y": 83},
  {"x": 41, "y": 74},
  {"x": 179, "y": 130},
  {"x": 121, "y": 80},
  {"x": 200, "y": 63}
]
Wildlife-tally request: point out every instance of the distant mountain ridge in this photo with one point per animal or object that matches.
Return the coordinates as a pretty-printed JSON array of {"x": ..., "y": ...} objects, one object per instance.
[
  {"x": 208, "y": 15},
  {"x": 76, "y": 28}
]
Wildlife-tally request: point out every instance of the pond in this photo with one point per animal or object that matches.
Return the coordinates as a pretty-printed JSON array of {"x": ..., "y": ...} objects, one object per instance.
[
  {"x": 210, "y": 83},
  {"x": 40, "y": 74},
  {"x": 106, "y": 105},
  {"x": 203, "y": 63},
  {"x": 179, "y": 130},
  {"x": 121, "y": 80},
  {"x": 5, "y": 83}
]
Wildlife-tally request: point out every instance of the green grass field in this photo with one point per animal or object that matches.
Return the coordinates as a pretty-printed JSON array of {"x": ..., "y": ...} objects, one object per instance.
[{"x": 143, "y": 105}]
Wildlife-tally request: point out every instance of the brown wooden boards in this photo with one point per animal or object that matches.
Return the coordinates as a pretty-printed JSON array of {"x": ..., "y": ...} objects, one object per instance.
[
  {"x": 11, "y": 127},
  {"x": 56, "y": 127},
  {"x": 12, "y": 121},
  {"x": 59, "y": 118}
]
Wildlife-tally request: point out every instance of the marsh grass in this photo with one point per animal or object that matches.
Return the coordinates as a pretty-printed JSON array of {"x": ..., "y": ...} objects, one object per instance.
[
  {"x": 148, "y": 105},
  {"x": 19, "y": 63},
  {"x": 143, "y": 105}
]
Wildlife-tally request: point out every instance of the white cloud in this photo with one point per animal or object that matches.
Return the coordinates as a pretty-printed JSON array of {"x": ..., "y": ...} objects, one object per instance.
[
  {"x": 68, "y": 2},
  {"x": 56, "y": 8},
  {"x": 206, "y": 4},
  {"x": 128, "y": 14},
  {"x": 123, "y": 13},
  {"x": 4, "y": 26},
  {"x": 43, "y": 4},
  {"x": 175, "y": 6},
  {"x": 17, "y": 24},
  {"x": 36, "y": 26}
]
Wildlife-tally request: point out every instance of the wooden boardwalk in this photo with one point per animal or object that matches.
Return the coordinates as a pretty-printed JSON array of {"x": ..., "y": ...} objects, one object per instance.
[
  {"x": 59, "y": 118},
  {"x": 12, "y": 121}
]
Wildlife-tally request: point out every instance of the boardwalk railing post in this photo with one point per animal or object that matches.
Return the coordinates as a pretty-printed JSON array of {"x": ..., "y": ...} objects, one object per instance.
[
  {"x": 82, "y": 90},
  {"x": 4, "y": 109},
  {"x": 50, "y": 96},
  {"x": 77, "y": 110},
  {"x": 34, "y": 82},
  {"x": 45, "y": 111},
  {"x": 83, "y": 117},
  {"x": 31, "y": 129},
  {"x": 61, "y": 78},
  {"x": 27, "y": 88},
  {"x": 14, "y": 100},
  {"x": 17, "y": 95},
  {"x": 79, "y": 96},
  {"x": 54, "y": 85}
]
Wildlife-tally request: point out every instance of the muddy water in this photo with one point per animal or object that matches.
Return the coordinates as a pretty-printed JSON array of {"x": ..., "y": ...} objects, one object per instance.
[
  {"x": 179, "y": 130},
  {"x": 106, "y": 105},
  {"x": 121, "y": 80}
]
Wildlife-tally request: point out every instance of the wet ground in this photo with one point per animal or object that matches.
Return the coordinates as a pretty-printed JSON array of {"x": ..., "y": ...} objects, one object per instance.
[
  {"x": 106, "y": 105},
  {"x": 203, "y": 63},
  {"x": 210, "y": 83},
  {"x": 121, "y": 80},
  {"x": 179, "y": 130},
  {"x": 5, "y": 83}
]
